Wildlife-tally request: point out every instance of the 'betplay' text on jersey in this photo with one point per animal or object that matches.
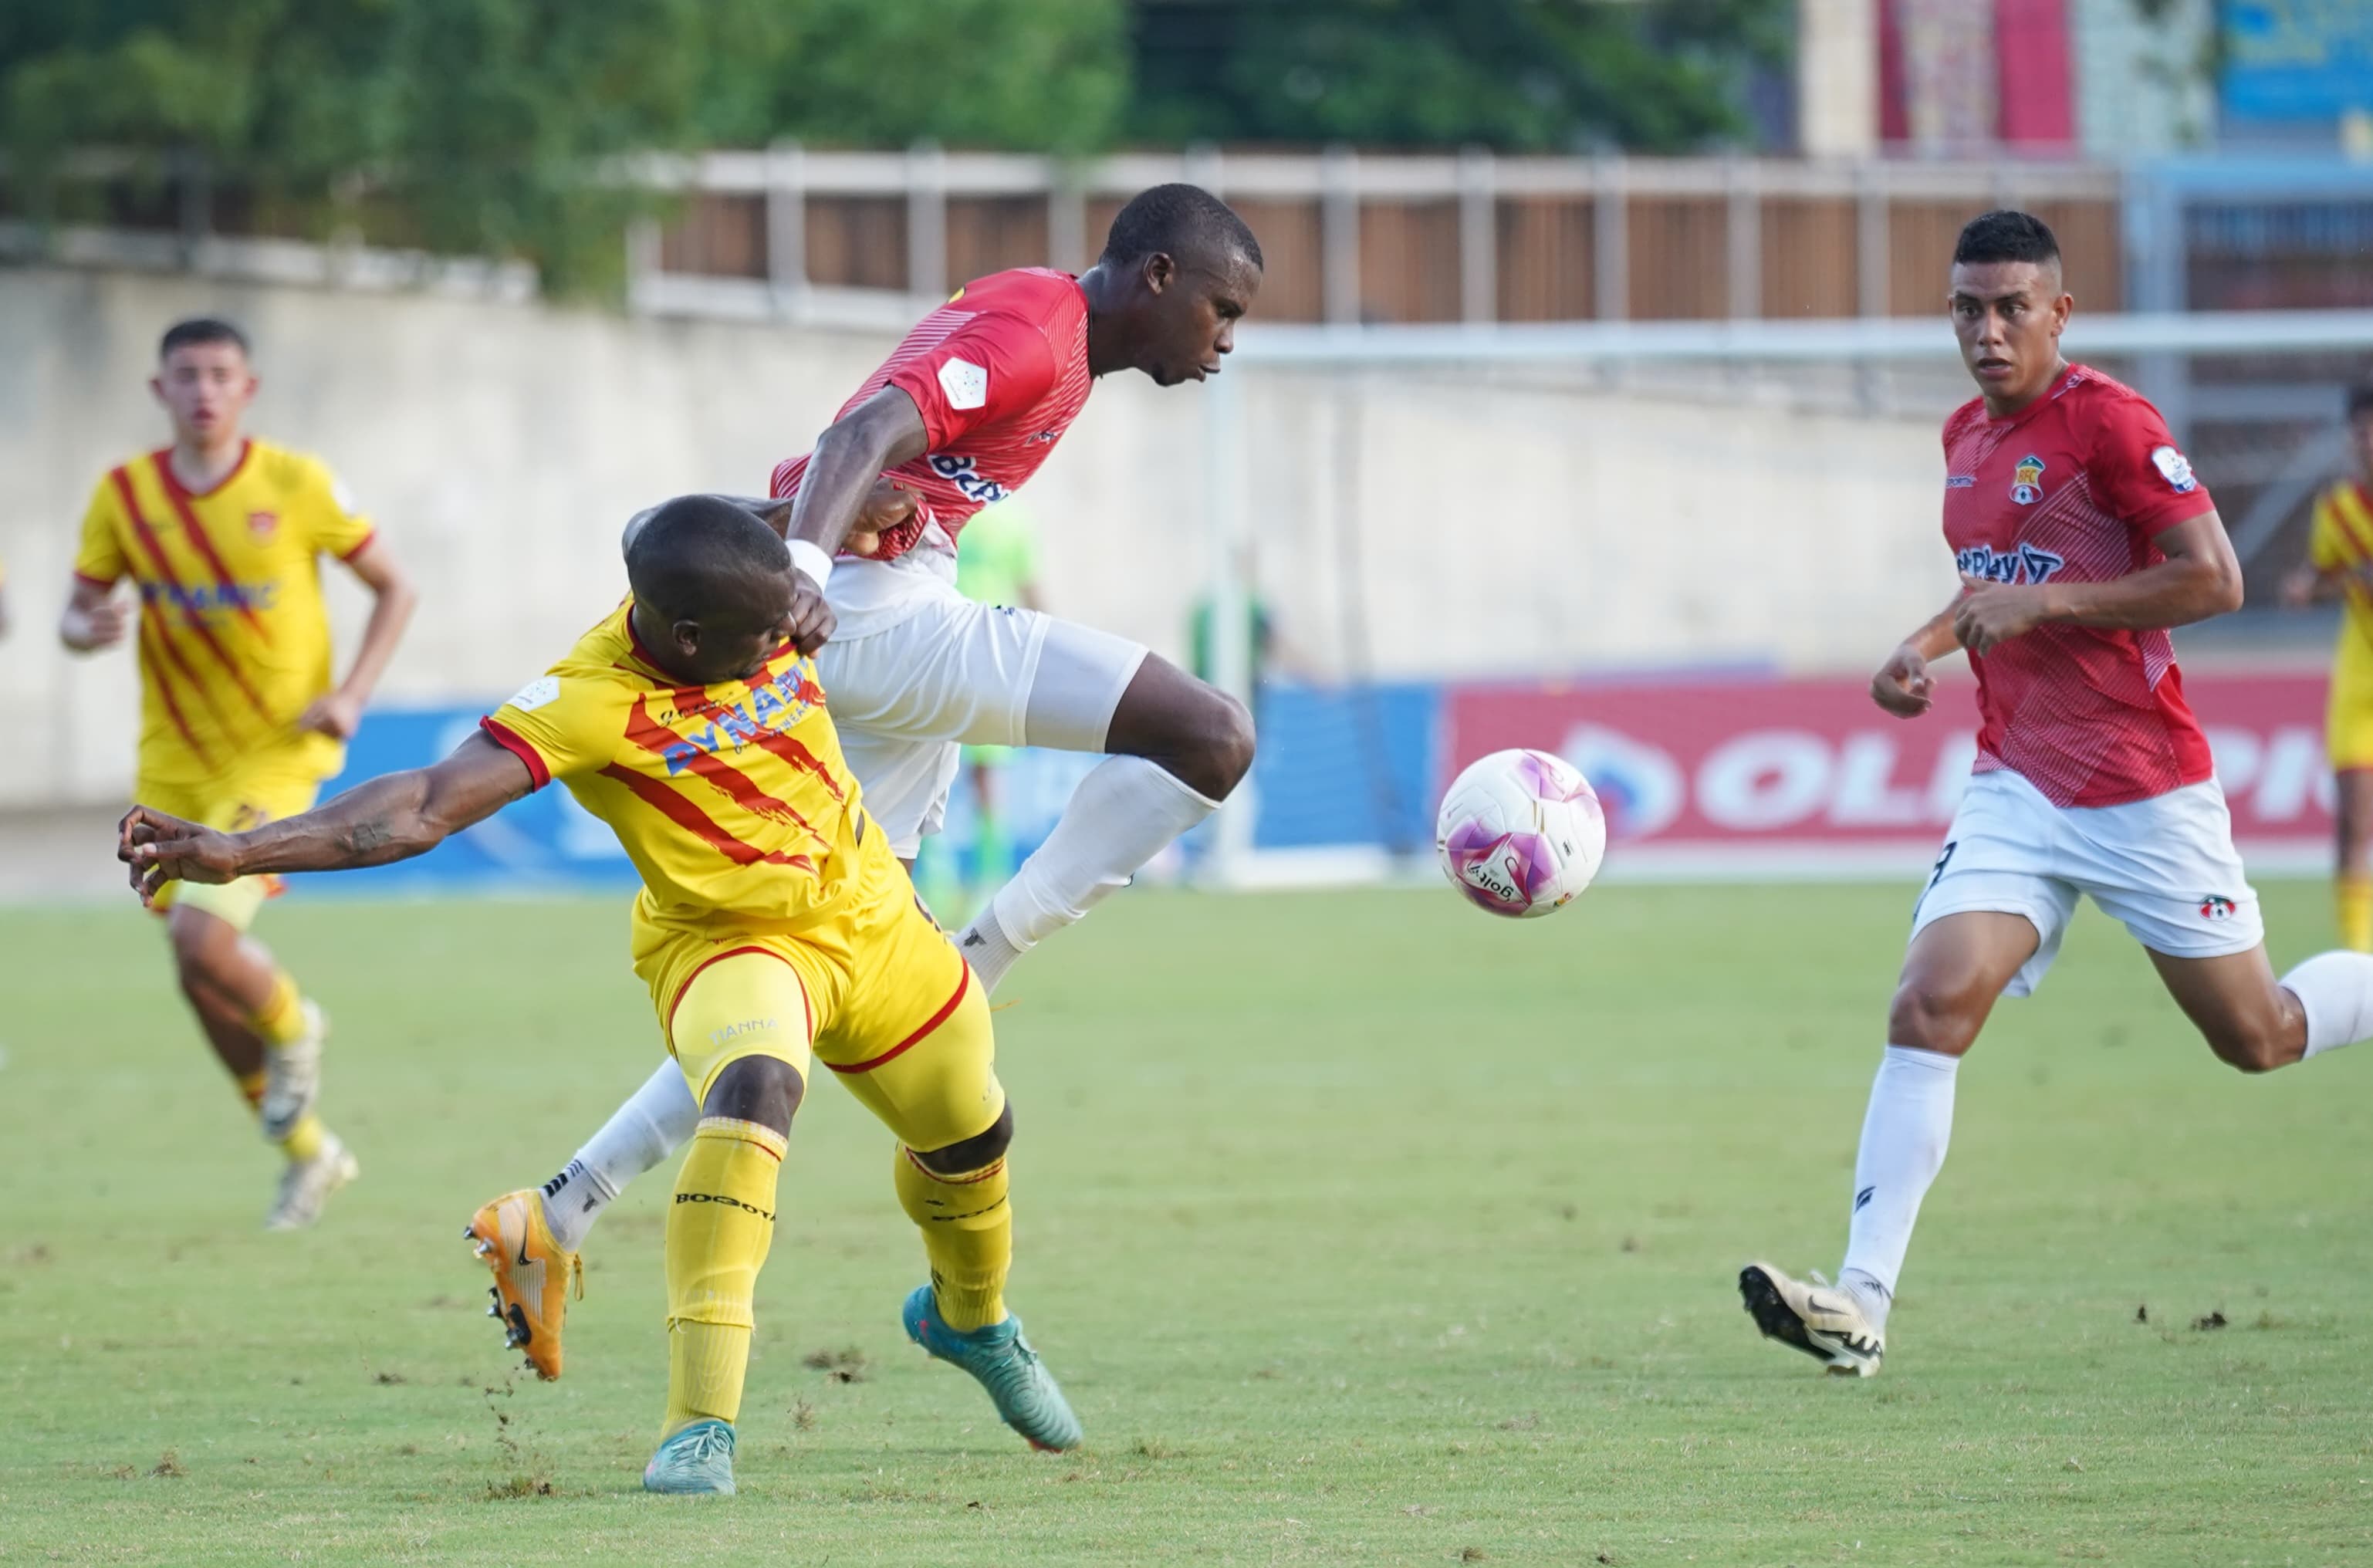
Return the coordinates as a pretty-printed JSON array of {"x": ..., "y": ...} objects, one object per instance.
[{"x": 2074, "y": 488}]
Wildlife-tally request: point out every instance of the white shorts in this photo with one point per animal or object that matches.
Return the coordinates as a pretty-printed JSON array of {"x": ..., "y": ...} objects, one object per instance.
[
  {"x": 2165, "y": 868},
  {"x": 951, "y": 672}
]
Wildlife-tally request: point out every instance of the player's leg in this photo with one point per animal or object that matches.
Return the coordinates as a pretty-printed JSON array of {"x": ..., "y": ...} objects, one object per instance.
[
  {"x": 2352, "y": 883},
  {"x": 2256, "y": 1023},
  {"x": 1179, "y": 748},
  {"x": 931, "y": 1078},
  {"x": 739, "y": 1027}
]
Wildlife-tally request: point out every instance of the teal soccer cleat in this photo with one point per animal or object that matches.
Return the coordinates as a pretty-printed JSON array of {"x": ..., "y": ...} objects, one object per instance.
[
  {"x": 1002, "y": 1360},
  {"x": 697, "y": 1461}
]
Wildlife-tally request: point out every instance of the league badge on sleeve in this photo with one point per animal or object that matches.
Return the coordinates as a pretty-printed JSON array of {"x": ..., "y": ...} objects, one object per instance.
[
  {"x": 535, "y": 693},
  {"x": 2027, "y": 481},
  {"x": 964, "y": 384},
  {"x": 2176, "y": 469}
]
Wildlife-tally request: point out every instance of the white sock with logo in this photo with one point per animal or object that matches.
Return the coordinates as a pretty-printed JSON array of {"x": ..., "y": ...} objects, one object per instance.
[
  {"x": 2335, "y": 991},
  {"x": 1120, "y": 816},
  {"x": 655, "y": 1120},
  {"x": 1904, "y": 1134}
]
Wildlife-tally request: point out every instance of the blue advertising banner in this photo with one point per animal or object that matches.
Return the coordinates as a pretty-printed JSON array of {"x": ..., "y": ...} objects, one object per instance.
[{"x": 2292, "y": 60}]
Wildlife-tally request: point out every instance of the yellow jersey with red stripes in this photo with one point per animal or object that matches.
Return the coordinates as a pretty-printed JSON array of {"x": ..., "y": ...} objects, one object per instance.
[
  {"x": 733, "y": 800},
  {"x": 2340, "y": 540},
  {"x": 234, "y": 642}
]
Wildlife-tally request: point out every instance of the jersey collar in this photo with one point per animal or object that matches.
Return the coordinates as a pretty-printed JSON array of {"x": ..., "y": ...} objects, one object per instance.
[{"x": 164, "y": 460}]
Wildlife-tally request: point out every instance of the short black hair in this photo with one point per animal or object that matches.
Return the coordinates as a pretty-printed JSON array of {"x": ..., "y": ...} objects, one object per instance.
[
  {"x": 2005, "y": 235},
  {"x": 1182, "y": 221},
  {"x": 202, "y": 328},
  {"x": 2360, "y": 399},
  {"x": 688, "y": 553}
]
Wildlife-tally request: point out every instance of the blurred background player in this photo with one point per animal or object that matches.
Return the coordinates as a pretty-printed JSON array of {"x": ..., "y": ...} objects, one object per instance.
[
  {"x": 774, "y": 928},
  {"x": 2339, "y": 563},
  {"x": 965, "y": 410},
  {"x": 2082, "y": 538},
  {"x": 240, "y": 719}
]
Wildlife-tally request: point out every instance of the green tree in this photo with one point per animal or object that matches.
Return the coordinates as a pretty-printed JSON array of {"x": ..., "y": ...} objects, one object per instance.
[{"x": 1519, "y": 75}]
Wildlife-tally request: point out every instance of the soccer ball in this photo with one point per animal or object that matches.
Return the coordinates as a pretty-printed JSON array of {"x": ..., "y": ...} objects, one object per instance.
[{"x": 1520, "y": 832}]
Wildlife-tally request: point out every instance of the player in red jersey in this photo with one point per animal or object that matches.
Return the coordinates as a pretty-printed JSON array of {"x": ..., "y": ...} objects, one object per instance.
[
  {"x": 2082, "y": 537},
  {"x": 964, "y": 411}
]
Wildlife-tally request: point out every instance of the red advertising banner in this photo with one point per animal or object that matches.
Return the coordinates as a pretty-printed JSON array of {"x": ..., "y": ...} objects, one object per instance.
[{"x": 1708, "y": 774}]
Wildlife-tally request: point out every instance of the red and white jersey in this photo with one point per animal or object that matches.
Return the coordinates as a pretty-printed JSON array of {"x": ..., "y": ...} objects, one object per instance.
[
  {"x": 2074, "y": 488},
  {"x": 999, "y": 372}
]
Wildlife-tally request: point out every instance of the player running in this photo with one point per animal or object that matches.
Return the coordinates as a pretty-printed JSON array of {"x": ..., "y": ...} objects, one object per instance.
[
  {"x": 239, "y": 721},
  {"x": 2339, "y": 561},
  {"x": 964, "y": 411},
  {"x": 2082, "y": 537},
  {"x": 774, "y": 925}
]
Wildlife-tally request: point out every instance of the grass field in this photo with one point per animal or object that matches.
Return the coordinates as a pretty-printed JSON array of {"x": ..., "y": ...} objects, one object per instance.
[{"x": 1362, "y": 1229}]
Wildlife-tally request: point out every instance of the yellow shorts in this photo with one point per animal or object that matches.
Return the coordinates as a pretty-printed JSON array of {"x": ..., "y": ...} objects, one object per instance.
[
  {"x": 881, "y": 997},
  {"x": 266, "y": 790}
]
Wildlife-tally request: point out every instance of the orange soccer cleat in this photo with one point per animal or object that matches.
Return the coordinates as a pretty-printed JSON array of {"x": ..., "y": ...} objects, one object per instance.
[{"x": 532, "y": 1276}]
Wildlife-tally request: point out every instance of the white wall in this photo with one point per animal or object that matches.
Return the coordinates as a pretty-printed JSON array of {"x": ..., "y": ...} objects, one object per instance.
[{"x": 1498, "y": 528}]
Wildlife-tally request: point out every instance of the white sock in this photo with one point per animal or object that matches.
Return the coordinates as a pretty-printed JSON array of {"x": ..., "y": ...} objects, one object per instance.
[
  {"x": 639, "y": 1134},
  {"x": 2335, "y": 989},
  {"x": 1120, "y": 816},
  {"x": 1903, "y": 1136}
]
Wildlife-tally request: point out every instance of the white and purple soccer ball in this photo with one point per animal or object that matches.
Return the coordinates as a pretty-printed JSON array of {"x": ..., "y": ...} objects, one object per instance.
[{"x": 1520, "y": 832}]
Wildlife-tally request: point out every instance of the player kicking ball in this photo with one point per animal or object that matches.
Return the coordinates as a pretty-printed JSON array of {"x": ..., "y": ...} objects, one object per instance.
[
  {"x": 2082, "y": 537},
  {"x": 965, "y": 410},
  {"x": 775, "y": 927}
]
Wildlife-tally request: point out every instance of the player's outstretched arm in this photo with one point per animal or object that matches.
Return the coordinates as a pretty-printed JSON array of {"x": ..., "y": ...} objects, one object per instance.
[
  {"x": 390, "y": 818},
  {"x": 2200, "y": 577}
]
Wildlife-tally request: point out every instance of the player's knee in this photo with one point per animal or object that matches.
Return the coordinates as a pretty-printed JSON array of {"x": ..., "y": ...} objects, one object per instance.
[
  {"x": 1217, "y": 749},
  {"x": 1931, "y": 1016},
  {"x": 764, "y": 1089},
  {"x": 201, "y": 944},
  {"x": 2252, "y": 1046},
  {"x": 981, "y": 1149}
]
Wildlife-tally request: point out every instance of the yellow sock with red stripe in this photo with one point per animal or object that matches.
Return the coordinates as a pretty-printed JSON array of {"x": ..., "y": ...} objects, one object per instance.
[
  {"x": 281, "y": 1020},
  {"x": 717, "y": 1232},
  {"x": 2352, "y": 892},
  {"x": 968, "y": 1227}
]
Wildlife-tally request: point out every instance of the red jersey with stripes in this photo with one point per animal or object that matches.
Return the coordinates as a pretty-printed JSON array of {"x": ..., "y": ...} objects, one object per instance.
[
  {"x": 733, "y": 800},
  {"x": 234, "y": 641},
  {"x": 2074, "y": 488},
  {"x": 999, "y": 372}
]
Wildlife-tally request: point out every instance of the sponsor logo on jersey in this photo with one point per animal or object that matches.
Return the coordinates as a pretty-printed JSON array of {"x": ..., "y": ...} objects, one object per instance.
[
  {"x": 212, "y": 601},
  {"x": 966, "y": 476},
  {"x": 777, "y": 705},
  {"x": 1044, "y": 435},
  {"x": 2021, "y": 563},
  {"x": 2176, "y": 469},
  {"x": 964, "y": 384},
  {"x": 2216, "y": 906},
  {"x": 261, "y": 526},
  {"x": 2027, "y": 481},
  {"x": 535, "y": 693},
  {"x": 1961, "y": 481}
]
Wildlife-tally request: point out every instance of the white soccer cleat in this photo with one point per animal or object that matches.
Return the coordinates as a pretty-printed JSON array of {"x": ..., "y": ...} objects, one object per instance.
[
  {"x": 1827, "y": 1322},
  {"x": 306, "y": 1184},
  {"x": 292, "y": 1077}
]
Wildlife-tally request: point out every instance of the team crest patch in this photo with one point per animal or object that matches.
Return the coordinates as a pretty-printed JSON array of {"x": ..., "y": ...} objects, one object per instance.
[
  {"x": 2176, "y": 469},
  {"x": 2216, "y": 906},
  {"x": 2027, "y": 481},
  {"x": 261, "y": 526}
]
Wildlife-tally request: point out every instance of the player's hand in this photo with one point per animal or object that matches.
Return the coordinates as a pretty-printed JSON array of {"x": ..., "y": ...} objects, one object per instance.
[
  {"x": 335, "y": 715},
  {"x": 1991, "y": 613},
  {"x": 886, "y": 507},
  {"x": 1903, "y": 685},
  {"x": 161, "y": 848},
  {"x": 89, "y": 630},
  {"x": 811, "y": 622},
  {"x": 2298, "y": 588}
]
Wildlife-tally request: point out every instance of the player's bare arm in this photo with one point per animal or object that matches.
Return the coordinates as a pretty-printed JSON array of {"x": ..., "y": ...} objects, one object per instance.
[
  {"x": 2200, "y": 577},
  {"x": 391, "y": 818},
  {"x": 1903, "y": 685},
  {"x": 339, "y": 713},
  {"x": 883, "y": 431},
  {"x": 93, "y": 617}
]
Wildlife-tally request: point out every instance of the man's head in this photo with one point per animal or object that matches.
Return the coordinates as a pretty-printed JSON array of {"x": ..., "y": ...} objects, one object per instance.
[
  {"x": 2008, "y": 305},
  {"x": 203, "y": 381},
  {"x": 1181, "y": 268},
  {"x": 2360, "y": 428},
  {"x": 712, "y": 589}
]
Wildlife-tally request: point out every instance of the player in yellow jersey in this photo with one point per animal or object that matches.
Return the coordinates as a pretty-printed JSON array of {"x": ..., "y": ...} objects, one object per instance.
[
  {"x": 240, "y": 718},
  {"x": 774, "y": 928},
  {"x": 2340, "y": 562}
]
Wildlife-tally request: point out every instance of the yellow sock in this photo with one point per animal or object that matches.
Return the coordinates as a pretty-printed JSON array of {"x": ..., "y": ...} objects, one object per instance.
[
  {"x": 717, "y": 1232},
  {"x": 304, "y": 1140},
  {"x": 281, "y": 1020},
  {"x": 968, "y": 1227},
  {"x": 2354, "y": 893}
]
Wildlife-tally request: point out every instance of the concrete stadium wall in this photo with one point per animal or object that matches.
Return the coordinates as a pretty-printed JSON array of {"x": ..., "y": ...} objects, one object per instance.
[{"x": 1401, "y": 525}]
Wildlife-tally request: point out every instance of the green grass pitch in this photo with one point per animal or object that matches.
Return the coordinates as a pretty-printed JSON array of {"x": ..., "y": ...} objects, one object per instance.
[{"x": 1360, "y": 1228}]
